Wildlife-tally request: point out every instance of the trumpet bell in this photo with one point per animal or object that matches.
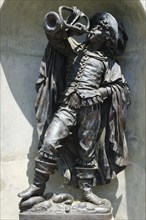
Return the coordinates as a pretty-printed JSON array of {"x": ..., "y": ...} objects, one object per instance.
[{"x": 52, "y": 22}]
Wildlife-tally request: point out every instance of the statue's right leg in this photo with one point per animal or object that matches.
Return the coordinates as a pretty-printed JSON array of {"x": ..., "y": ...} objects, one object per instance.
[
  {"x": 46, "y": 163},
  {"x": 43, "y": 169}
]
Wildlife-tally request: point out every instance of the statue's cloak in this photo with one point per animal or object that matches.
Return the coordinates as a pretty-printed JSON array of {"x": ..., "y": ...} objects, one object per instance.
[{"x": 111, "y": 147}]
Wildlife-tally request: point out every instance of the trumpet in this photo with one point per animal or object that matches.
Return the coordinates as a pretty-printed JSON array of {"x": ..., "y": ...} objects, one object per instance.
[
  {"x": 52, "y": 22},
  {"x": 76, "y": 22}
]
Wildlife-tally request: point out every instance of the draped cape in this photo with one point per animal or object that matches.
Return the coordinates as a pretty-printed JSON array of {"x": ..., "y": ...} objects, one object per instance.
[{"x": 111, "y": 147}]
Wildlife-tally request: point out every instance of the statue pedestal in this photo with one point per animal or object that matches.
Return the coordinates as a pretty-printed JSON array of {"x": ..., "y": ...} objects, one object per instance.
[
  {"x": 49, "y": 210},
  {"x": 75, "y": 216}
]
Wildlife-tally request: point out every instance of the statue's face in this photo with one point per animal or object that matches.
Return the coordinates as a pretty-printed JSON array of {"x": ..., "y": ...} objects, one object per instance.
[{"x": 96, "y": 34}]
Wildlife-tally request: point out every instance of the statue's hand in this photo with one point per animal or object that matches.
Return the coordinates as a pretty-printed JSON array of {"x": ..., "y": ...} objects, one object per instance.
[{"x": 104, "y": 92}]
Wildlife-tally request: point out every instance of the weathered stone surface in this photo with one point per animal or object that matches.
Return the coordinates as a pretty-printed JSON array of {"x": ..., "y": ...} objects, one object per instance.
[
  {"x": 66, "y": 216},
  {"x": 49, "y": 210}
]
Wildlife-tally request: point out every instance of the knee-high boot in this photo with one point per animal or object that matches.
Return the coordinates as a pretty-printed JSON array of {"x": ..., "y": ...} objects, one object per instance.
[
  {"x": 43, "y": 169},
  {"x": 86, "y": 178}
]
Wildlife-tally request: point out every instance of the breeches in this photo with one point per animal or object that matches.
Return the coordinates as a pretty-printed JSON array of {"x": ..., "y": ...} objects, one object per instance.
[{"x": 86, "y": 122}]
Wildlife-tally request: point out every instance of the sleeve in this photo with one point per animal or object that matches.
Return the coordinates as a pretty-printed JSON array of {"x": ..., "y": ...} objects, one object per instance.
[
  {"x": 112, "y": 77},
  {"x": 113, "y": 73},
  {"x": 59, "y": 41}
]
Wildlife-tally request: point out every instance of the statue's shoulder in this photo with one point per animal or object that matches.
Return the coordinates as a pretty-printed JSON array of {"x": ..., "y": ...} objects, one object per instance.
[{"x": 113, "y": 63}]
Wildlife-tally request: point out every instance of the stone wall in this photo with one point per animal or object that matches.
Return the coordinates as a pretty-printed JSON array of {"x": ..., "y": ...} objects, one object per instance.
[{"x": 22, "y": 46}]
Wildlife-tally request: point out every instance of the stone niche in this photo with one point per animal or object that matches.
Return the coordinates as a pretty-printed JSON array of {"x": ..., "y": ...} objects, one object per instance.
[{"x": 22, "y": 45}]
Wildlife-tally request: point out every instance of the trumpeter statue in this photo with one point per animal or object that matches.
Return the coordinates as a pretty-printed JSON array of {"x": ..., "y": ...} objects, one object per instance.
[{"x": 81, "y": 104}]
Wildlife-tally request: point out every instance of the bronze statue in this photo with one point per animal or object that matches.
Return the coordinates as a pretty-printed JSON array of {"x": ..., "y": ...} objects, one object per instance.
[{"x": 82, "y": 99}]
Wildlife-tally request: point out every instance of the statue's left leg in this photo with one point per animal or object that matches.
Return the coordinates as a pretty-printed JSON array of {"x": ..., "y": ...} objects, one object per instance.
[
  {"x": 89, "y": 128},
  {"x": 86, "y": 179}
]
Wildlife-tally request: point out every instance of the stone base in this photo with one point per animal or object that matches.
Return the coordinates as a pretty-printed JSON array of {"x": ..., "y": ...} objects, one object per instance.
[
  {"x": 64, "y": 210},
  {"x": 35, "y": 216}
]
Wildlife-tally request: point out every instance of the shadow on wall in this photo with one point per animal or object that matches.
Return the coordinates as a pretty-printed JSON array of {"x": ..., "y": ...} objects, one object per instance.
[{"x": 23, "y": 42}]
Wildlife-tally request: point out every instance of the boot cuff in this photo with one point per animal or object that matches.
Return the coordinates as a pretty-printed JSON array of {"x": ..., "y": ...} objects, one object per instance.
[
  {"x": 85, "y": 173},
  {"x": 44, "y": 166}
]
